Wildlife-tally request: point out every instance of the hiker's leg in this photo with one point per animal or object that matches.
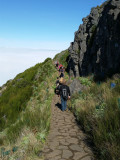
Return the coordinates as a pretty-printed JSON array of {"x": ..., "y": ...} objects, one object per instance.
[
  {"x": 62, "y": 104},
  {"x": 65, "y": 105}
]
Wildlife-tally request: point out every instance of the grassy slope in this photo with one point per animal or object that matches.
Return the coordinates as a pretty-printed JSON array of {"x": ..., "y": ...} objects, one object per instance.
[
  {"x": 26, "y": 103},
  {"x": 98, "y": 111}
]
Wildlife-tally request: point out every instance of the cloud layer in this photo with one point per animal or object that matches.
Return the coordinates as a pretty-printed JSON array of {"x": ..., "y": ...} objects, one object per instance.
[{"x": 14, "y": 61}]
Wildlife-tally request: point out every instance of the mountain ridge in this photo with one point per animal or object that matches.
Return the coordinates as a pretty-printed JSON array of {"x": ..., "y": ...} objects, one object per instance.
[{"x": 96, "y": 46}]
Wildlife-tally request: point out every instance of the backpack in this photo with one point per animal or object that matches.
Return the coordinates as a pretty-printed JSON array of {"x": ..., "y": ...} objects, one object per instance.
[
  {"x": 57, "y": 90},
  {"x": 64, "y": 92}
]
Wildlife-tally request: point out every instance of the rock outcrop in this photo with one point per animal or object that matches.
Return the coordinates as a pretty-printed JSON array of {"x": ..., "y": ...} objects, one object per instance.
[
  {"x": 76, "y": 87},
  {"x": 96, "y": 46}
]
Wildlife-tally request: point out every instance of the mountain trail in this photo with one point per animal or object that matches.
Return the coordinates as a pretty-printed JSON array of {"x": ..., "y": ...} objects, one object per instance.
[{"x": 66, "y": 141}]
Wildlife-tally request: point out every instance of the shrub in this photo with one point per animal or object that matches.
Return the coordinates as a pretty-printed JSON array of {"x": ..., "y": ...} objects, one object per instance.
[{"x": 85, "y": 81}]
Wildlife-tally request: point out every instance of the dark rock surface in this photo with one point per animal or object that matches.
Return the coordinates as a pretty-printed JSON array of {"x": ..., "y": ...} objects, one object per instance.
[{"x": 96, "y": 46}]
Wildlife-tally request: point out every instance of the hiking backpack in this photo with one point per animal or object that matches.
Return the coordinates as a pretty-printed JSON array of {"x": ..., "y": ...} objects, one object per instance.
[
  {"x": 57, "y": 90},
  {"x": 64, "y": 92}
]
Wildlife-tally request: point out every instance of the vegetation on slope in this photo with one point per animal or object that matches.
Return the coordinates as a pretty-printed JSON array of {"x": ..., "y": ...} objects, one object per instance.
[
  {"x": 15, "y": 97},
  {"x": 98, "y": 111},
  {"x": 62, "y": 58},
  {"x": 27, "y": 128}
]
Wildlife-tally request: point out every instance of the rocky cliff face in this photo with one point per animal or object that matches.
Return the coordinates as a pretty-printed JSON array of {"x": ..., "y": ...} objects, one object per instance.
[{"x": 96, "y": 46}]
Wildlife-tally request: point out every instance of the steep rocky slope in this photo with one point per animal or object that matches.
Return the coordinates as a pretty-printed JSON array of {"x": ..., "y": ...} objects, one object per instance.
[{"x": 96, "y": 46}]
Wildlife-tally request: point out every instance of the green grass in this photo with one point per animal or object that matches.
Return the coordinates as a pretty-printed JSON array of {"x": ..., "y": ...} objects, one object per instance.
[
  {"x": 15, "y": 97},
  {"x": 62, "y": 58},
  {"x": 30, "y": 125},
  {"x": 98, "y": 111},
  {"x": 85, "y": 81}
]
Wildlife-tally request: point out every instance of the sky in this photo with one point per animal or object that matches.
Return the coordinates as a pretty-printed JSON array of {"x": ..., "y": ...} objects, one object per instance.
[{"x": 32, "y": 30}]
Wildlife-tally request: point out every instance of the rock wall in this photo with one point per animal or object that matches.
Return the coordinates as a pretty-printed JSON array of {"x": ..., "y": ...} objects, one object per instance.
[{"x": 96, "y": 46}]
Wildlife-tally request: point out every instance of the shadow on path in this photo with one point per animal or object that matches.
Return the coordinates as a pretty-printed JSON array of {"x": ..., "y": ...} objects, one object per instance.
[{"x": 59, "y": 106}]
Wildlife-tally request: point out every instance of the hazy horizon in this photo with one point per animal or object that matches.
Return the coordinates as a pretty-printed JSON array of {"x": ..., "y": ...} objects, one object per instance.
[{"x": 17, "y": 61}]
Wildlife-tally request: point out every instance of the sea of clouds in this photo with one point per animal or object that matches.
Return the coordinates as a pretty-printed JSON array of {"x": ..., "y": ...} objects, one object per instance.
[{"x": 14, "y": 61}]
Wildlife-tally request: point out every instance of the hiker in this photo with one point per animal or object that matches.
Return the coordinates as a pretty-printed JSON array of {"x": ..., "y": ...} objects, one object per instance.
[
  {"x": 64, "y": 94},
  {"x": 57, "y": 81},
  {"x": 60, "y": 66},
  {"x": 61, "y": 70},
  {"x": 57, "y": 89},
  {"x": 56, "y": 64}
]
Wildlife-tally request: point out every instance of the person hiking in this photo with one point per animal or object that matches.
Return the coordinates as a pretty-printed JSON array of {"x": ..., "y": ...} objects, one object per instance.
[
  {"x": 64, "y": 94},
  {"x": 57, "y": 89},
  {"x": 61, "y": 70},
  {"x": 57, "y": 81},
  {"x": 56, "y": 64},
  {"x": 60, "y": 67}
]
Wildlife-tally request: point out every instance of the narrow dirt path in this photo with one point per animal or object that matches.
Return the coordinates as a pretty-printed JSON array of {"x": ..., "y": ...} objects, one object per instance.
[{"x": 65, "y": 140}]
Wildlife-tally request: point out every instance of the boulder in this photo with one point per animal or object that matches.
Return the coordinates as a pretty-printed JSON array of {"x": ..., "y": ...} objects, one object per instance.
[{"x": 76, "y": 86}]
